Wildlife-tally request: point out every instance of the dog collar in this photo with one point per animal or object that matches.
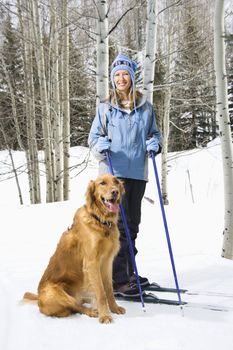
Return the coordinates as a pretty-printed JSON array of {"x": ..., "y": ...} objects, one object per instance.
[{"x": 106, "y": 223}]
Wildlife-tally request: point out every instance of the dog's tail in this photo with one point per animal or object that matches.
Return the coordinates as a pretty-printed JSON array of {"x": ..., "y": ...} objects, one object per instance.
[{"x": 30, "y": 298}]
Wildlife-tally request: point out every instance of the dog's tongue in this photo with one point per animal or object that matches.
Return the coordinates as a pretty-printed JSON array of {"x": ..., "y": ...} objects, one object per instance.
[{"x": 112, "y": 206}]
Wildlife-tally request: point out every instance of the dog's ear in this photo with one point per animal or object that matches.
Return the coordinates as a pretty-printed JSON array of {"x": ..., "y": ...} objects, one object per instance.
[
  {"x": 90, "y": 193},
  {"x": 122, "y": 188}
]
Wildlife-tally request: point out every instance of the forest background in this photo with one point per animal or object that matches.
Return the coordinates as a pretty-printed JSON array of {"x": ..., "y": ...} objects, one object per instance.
[{"x": 54, "y": 69}]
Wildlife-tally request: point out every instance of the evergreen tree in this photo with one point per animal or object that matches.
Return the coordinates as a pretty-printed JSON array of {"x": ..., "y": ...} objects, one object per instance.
[
  {"x": 82, "y": 97},
  {"x": 158, "y": 97},
  {"x": 11, "y": 72},
  {"x": 193, "y": 118}
]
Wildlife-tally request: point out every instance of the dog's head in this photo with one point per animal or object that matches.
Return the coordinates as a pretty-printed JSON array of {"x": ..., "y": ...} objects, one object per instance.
[{"x": 106, "y": 193}]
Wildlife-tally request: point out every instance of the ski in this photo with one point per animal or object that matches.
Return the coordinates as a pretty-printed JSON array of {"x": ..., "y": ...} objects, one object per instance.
[
  {"x": 150, "y": 298},
  {"x": 154, "y": 287}
]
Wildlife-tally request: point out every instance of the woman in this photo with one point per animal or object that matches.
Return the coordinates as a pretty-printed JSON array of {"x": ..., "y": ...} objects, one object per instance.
[{"x": 125, "y": 126}]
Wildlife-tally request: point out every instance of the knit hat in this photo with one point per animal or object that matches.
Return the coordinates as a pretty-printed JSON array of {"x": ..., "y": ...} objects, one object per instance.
[{"x": 122, "y": 62}]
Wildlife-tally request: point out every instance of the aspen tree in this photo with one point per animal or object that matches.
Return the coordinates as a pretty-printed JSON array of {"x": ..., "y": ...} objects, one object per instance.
[
  {"x": 29, "y": 101},
  {"x": 149, "y": 62},
  {"x": 65, "y": 101},
  {"x": 224, "y": 127},
  {"x": 102, "y": 51},
  {"x": 55, "y": 104},
  {"x": 46, "y": 121}
]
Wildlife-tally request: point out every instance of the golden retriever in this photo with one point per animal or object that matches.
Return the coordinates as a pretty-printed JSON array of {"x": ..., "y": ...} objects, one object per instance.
[{"x": 80, "y": 270}]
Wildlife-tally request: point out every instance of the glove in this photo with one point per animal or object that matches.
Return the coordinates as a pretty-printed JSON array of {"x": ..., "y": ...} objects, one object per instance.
[
  {"x": 152, "y": 145},
  {"x": 103, "y": 144}
]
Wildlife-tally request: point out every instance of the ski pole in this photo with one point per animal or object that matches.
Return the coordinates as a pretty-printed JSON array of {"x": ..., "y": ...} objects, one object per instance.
[
  {"x": 166, "y": 228},
  {"x": 128, "y": 236}
]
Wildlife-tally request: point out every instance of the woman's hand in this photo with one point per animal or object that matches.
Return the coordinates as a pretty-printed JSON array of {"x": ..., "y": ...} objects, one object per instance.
[
  {"x": 152, "y": 145},
  {"x": 103, "y": 144}
]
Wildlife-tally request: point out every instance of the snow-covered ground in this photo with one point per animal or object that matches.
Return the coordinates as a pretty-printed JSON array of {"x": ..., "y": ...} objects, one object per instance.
[{"x": 29, "y": 235}]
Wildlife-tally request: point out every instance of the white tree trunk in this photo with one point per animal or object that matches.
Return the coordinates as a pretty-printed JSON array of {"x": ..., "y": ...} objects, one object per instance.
[
  {"x": 46, "y": 122},
  {"x": 32, "y": 150},
  {"x": 149, "y": 62},
  {"x": 55, "y": 109},
  {"x": 167, "y": 102},
  {"x": 32, "y": 159},
  {"x": 102, "y": 51},
  {"x": 224, "y": 126},
  {"x": 29, "y": 98},
  {"x": 66, "y": 103}
]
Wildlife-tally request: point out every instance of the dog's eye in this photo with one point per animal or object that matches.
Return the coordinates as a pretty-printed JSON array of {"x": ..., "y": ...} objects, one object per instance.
[
  {"x": 102, "y": 183},
  {"x": 116, "y": 181}
]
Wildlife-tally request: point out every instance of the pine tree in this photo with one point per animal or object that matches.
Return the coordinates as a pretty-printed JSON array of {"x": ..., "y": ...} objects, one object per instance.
[
  {"x": 158, "y": 97},
  {"x": 193, "y": 118},
  {"x": 11, "y": 81},
  {"x": 82, "y": 101}
]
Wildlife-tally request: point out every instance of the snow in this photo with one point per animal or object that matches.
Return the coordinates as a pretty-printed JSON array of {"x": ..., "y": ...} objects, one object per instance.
[{"x": 29, "y": 234}]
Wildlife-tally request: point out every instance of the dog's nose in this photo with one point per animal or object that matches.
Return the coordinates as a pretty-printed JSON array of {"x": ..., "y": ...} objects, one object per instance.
[{"x": 115, "y": 193}]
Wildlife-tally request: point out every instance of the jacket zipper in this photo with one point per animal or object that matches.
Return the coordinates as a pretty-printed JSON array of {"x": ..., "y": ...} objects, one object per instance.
[{"x": 129, "y": 142}]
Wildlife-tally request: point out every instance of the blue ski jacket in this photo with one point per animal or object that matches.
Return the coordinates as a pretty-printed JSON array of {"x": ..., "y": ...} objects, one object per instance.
[{"x": 128, "y": 132}]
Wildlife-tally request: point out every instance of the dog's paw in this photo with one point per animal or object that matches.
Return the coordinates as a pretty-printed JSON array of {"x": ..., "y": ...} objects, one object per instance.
[
  {"x": 120, "y": 310},
  {"x": 116, "y": 309},
  {"x": 105, "y": 319},
  {"x": 93, "y": 312}
]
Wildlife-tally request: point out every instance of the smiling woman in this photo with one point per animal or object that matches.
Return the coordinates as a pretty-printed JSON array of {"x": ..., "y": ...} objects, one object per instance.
[{"x": 125, "y": 126}]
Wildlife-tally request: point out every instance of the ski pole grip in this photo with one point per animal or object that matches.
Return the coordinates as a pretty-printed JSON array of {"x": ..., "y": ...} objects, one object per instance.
[{"x": 152, "y": 154}]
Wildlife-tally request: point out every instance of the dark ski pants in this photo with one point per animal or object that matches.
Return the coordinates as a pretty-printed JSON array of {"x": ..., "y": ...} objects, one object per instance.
[{"x": 131, "y": 203}]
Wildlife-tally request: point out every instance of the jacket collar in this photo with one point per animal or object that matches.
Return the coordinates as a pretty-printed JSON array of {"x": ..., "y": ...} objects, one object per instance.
[{"x": 141, "y": 101}]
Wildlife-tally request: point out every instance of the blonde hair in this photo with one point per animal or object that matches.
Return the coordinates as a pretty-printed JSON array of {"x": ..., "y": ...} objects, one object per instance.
[{"x": 132, "y": 95}]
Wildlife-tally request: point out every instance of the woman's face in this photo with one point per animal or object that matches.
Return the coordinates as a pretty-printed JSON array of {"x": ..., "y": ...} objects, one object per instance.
[{"x": 122, "y": 81}]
